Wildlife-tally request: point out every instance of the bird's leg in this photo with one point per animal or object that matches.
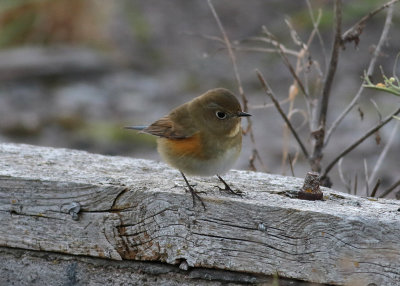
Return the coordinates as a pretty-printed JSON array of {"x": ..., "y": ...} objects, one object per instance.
[
  {"x": 228, "y": 189},
  {"x": 194, "y": 193}
]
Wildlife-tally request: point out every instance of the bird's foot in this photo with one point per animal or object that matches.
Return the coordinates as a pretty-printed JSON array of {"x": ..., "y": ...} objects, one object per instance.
[
  {"x": 228, "y": 189},
  {"x": 195, "y": 194}
]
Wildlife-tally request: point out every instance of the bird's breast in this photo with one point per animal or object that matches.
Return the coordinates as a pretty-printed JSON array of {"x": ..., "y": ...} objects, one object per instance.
[
  {"x": 198, "y": 155},
  {"x": 191, "y": 146}
]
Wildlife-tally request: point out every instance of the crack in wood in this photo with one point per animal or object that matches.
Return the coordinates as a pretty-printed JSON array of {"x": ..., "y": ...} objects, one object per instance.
[{"x": 117, "y": 197}]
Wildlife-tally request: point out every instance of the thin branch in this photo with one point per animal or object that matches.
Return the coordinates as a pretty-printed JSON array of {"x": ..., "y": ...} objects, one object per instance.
[
  {"x": 265, "y": 50},
  {"x": 332, "y": 64},
  {"x": 355, "y": 184},
  {"x": 353, "y": 34},
  {"x": 265, "y": 105},
  {"x": 274, "y": 43},
  {"x": 342, "y": 178},
  {"x": 231, "y": 54},
  {"x": 307, "y": 61},
  {"x": 366, "y": 177},
  {"x": 282, "y": 113},
  {"x": 370, "y": 70},
  {"x": 315, "y": 25},
  {"x": 293, "y": 33},
  {"x": 244, "y": 49},
  {"x": 204, "y": 36},
  {"x": 382, "y": 156},
  {"x": 390, "y": 189},
  {"x": 286, "y": 61},
  {"x": 255, "y": 155},
  {"x": 376, "y": 188},
  {"x": 376, "y": 108},
  {"x": 359, "y": 141},
  {"x": 303, "y": 113},
  {"x": 319, "y": 141},
  {"x": 291, "y": 164}
]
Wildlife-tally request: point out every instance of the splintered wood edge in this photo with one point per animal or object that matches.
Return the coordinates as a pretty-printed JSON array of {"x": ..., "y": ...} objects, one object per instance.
[{"x": 138, "y": 209}]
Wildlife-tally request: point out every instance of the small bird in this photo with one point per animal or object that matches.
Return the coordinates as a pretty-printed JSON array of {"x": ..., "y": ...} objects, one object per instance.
[{"x": 202, "y": 137}]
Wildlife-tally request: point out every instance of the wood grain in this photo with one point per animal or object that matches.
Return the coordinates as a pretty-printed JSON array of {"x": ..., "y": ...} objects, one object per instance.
[{"x": 139, "y": 210}]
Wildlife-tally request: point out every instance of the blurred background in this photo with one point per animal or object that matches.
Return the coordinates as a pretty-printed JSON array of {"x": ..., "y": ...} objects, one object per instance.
[{"x": 73, "y": 73}]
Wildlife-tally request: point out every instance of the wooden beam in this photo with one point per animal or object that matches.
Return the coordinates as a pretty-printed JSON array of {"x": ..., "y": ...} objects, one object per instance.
[{"x": 133, "y": 209}]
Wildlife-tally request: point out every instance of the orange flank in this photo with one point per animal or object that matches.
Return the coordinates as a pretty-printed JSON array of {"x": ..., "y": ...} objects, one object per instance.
[{"x": 191, "y": 146}]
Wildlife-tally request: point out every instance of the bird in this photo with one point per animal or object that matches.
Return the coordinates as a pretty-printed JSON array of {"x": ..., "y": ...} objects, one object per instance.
[{"x": 202, "y": 137}]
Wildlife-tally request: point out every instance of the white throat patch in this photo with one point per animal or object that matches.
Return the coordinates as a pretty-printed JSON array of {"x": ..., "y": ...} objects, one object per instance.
[{"x": 235, "y": 131}]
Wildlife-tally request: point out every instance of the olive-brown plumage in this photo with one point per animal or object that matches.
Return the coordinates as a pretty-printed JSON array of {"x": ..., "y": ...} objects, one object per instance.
[{"x": 201, "y": 137}]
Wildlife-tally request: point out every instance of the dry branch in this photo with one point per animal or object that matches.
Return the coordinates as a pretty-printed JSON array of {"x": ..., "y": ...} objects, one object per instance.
[
  {"x": 370, "y": 70},
  {"x": 383, "y": 154},
  {"x": 390, "y": 189},
  {"x": 359, "y": 141},
  {"x": 278, "y": 107},
  {"x": 353, "y": 34},
  {"x": 286, "y": 61},
  {"x": 231, "y": 55},
  {"x": 319, "y": 140}
]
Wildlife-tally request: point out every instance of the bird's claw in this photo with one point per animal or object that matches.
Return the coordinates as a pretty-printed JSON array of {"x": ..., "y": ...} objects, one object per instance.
[{"x": 229, "y": 190}]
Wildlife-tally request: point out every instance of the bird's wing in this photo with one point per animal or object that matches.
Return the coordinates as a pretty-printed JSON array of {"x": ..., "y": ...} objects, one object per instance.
[
  {"x": 165, "y": 127},
  {"x": 178, "y": 124}
]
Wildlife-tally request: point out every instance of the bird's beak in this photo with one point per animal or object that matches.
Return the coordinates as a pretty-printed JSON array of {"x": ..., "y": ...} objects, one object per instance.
[{"x": 243, "y": 114}]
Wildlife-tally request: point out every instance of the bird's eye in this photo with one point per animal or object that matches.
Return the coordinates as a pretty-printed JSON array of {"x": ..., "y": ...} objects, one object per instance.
[{"x": 220, "y": 114}]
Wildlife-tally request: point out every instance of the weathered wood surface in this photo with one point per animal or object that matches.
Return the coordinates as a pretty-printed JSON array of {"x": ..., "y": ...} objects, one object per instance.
[
  {"x": 138, "y": 209},
  {"x": 37, "y": 268}
]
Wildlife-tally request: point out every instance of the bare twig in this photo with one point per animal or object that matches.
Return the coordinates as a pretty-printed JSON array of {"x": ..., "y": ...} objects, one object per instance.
[
  {"x": 278, "y": 107},
  {"x": 286, "y": 61},
  {"x": 265, "y": 50},
  {"x": 268, "y": 105},
  {"x": 303, "y": 113},
  {"x": 359, "y": 141},
  {"x": 332, "y": 64},
  {"x": 231, "y": 55},
  {"x": 353, "y": 34},
  {"x": 307, "y": 61},
  {"x": 376, "y": 108},
  {"x": 319, "y": 140},
  {"x": 346, "y": 183},
  {"x": 235, "y": 47},
  {"x": 366, "y": 177},
  {"x": 204, "y": 36},
  {"x": 370, "y": 70},
  {"x": 390, "y": 189},
  {"x": 291, "y": 164},
  {"x": 315, "y": 25},
  {"x": 355, "y": 184},
  {"x": 294, "y": 88},
  {"x": 373, "y": 193},
  {"x": 293, "y": 91},
  {"x": 293, "y": 33},
  {"x": 255, "y": 155},
  {"x": 382, "y": 156},
  {"x": 274, "y": 43}
]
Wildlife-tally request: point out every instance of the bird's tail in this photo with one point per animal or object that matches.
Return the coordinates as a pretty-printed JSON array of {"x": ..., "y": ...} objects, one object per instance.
[{"x": 140, "y": 128}]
